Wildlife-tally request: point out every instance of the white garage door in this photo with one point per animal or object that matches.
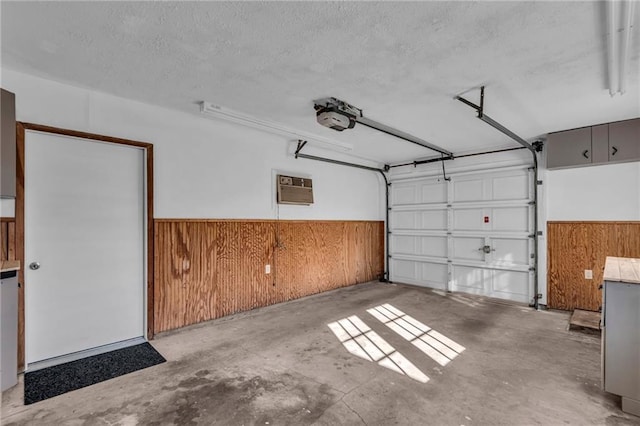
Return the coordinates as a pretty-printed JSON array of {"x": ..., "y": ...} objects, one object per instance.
[{"x": 472, "y": 233}]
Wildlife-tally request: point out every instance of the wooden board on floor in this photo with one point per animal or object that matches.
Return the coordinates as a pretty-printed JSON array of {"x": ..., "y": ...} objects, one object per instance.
[{"x": 581, "y": 320}]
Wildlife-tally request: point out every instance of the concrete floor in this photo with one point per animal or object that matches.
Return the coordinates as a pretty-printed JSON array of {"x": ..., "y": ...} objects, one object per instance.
[{"x": 283, "y": 365}]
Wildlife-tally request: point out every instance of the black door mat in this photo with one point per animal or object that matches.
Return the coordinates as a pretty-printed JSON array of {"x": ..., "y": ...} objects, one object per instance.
[{"x": 59, "y": 379}]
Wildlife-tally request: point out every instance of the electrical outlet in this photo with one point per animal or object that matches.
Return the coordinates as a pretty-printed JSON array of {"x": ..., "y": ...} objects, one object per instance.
[
  {"x": 267, "y": 269},
  {"x": 588, "y": 274}
]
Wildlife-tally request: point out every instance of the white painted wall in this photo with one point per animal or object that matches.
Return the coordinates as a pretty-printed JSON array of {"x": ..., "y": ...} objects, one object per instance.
[
  {"x": 606, "y": 192},
  {"x": 212, "y": 169},
  {"x": 204, "y": 168}
]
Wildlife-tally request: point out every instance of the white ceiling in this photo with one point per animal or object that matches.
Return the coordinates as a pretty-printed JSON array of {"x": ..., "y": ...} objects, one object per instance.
[{"x": 544, "y": 63}]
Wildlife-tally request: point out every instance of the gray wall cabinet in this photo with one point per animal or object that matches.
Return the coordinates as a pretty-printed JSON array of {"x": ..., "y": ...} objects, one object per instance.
[
  {"x": 7, "y": 144},
  {"x": 604, "y": 143},
  {"x": 624, "y": 140},
  {"x": 8, "y": 329},
  {"x": 621, "y": 331}
]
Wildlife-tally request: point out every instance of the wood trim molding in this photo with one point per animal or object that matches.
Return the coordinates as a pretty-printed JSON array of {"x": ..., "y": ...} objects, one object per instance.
[
  {"x": 19, "y": 213},
  {"x": 82, "y": 135},
  {"x": 593, "y": 221},
  {"x": 194, "y": 220},
  {"x": 21, "y": 128}
]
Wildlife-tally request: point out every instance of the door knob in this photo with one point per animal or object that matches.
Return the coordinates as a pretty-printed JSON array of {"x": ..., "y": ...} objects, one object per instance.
[{"x": 34, "y": 266}]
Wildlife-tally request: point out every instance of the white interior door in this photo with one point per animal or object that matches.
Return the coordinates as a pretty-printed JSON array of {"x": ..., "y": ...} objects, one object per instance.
[
  {"x": 470, "y": 234},
  {"x": 85, "y": 227}
]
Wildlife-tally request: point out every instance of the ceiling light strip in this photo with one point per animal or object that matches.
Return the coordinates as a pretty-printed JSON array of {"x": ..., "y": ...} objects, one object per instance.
[
  {"x": 270, "y": 126},
  {"x": 611, "y": 45},
  {"x": 627, "y": 16}
]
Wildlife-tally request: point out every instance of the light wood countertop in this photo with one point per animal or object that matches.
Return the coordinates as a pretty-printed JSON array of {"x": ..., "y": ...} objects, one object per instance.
[
  {"x": 622, "y": 269},
  {"x": 9, "y": 265}
]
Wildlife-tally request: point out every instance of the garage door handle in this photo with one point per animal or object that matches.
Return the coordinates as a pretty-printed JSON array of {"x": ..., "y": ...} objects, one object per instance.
[
  {"x": 486, "y": 249},
  {"x": 613, "y": 150},
  {"x": 585, "y": 154}
]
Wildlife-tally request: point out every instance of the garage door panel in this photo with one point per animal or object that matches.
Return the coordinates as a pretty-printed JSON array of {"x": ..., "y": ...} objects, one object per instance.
[
  {"x": 510, "y": 187},
  {"x": 510, "y": 252},
  {"x": 403, "y": 194},
  {"x": 404, "y": 270},
  {"x": 510, "y": 285},
  {"x": 419, "y": 192},
  {"x": 434, "y": 275},
  {"x": 403, "y": 244},
  {"x": 468, "y": 220},
  {"x": 468, "y": 279},
  {"x": 433, "y": 219},
  {"x": 424, "y": 274},
  {"x": 467, "y": 248},
  {"x": 467, "y": 190},
  {"x": 434, "y": 246},
  {"x": 510, "y": 219},
  {"x": 403, "y": 220},
  {"x": 433, "y": 192}
]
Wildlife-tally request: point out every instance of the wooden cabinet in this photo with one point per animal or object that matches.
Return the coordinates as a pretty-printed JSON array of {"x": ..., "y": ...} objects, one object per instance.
[
  {"x": 7, "y": 144},
  {"x": 604, "y": 143}
]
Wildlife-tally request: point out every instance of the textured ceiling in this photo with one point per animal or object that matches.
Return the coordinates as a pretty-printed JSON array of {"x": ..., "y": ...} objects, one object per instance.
[{"x": 544, "y": 63}]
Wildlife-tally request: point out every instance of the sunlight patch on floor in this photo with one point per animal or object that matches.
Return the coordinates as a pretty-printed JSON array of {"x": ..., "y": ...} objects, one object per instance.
[
  {"x": 360, "y": 340},
  {"x": 433, "y": 344}
]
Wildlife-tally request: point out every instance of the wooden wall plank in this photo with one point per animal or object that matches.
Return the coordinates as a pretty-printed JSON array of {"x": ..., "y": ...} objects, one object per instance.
[
  {"x": 208, "y": 269},
  {"x": 573, "y": 247},
  {"x": 7, "y": 238},
  {"x": 4, "y": 241}
]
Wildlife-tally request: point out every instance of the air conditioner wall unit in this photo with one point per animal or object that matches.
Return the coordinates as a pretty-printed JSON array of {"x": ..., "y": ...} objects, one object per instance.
[{"x": 294, "y": 190}]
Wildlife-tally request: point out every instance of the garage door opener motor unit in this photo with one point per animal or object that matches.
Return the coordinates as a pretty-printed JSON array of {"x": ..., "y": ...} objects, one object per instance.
[{"x": 294, "y": 190}]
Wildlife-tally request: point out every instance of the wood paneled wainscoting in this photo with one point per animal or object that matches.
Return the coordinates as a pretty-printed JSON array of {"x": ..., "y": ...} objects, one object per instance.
[
  {"x": 206, "y": 269},
  {"x": 7, "y": 238},
  {"x": 573, "y": 247}
]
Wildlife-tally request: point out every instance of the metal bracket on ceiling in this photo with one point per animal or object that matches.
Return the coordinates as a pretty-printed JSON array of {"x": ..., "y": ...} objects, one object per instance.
[
  {"x": 444, "y": 173},
  {"x": 301, "y": 144},
  {"x": 490, "y": 121},
  {"x": 538, "y": 145}
]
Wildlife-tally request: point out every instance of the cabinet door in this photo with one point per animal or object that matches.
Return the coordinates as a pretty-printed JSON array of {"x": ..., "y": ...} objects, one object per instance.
[
  {"x": 7, "y": 144},
  {"x": 600, "y": 144},
  {"x": 570, "y": 148},
  {"x": 624, "y": 140},
  {"x": 622, "y": 339}
]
